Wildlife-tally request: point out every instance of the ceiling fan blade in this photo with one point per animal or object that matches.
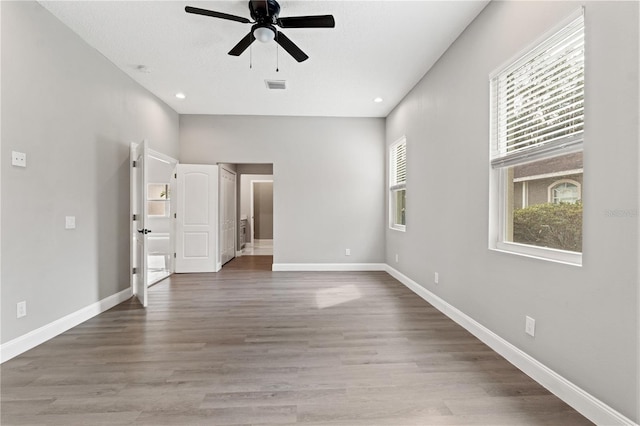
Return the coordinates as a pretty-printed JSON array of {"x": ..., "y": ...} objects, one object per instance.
[
  {"x": 290, "y": 47},
  {"x": 205, "y": 12},
  {"x": 242, "y": 45},
  {"x": 318, "y": 21}
]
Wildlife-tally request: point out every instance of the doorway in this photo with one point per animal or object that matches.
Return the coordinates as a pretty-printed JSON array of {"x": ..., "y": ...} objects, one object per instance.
[
  {"x": 161, "y": 169},
  {"x": 256, "y": 214},
  {"x": 255, "y": 250},
  {"x": 262, "y": 217}
]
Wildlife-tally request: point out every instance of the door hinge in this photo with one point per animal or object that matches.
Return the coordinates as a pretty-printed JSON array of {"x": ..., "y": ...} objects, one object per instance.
[
  {"x": 175, "y": 175},
  {"x": 135, "y": 217},
  {"x": 134, "y": 271},
  {"x": 135, "y": 164},
  {"x": 175, "y": 215},
  {"x": 174, "y": 255}
]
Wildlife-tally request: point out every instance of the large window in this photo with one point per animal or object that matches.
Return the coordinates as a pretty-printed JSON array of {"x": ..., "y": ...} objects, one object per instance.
[
  {"x": 537, "y": 122},
  {"x": 398, "y": 185}
]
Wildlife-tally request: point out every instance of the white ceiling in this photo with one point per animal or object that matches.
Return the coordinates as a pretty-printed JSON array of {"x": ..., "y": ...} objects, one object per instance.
[{"x": 377, "y": 49}]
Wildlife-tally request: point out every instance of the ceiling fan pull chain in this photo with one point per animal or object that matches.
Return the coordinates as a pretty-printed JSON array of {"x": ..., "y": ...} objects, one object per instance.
[
  {"x": 277, "y": 57},
  {"x": 250, "y": 57}
]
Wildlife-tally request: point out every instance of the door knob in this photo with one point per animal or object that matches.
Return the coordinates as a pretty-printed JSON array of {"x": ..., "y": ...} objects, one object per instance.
[{"x": 144, "y": 231}]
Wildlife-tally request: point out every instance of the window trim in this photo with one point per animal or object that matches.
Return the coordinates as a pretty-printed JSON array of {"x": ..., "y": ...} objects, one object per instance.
[
  {"x": 497, "y": 230},
  {"x": 394, "y": 186},
  {"x": 498, "y": 165}
]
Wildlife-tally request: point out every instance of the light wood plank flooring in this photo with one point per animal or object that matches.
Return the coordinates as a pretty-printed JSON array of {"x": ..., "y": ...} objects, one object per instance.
[{"x": 273, "y": 348}]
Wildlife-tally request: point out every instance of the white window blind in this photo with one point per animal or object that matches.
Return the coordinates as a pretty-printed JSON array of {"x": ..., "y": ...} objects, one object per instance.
[
  {"x": 538, "y": 101},
  {"x": 398, "y": 165}
]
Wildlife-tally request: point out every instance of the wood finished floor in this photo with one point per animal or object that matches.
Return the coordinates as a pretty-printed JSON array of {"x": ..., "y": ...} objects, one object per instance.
[
  {"x": 273, "y": 348},
  {"x": 250, "y": 263}
]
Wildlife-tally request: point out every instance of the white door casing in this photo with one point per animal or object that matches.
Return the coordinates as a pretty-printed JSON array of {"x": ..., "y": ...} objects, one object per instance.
[
  {"x": 227, "y": 215},
  {"x": 196, "y": 218},
  {"x": 138, "y": 216}
]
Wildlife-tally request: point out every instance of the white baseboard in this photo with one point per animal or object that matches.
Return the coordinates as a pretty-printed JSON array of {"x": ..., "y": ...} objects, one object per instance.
[
  {"x": 321, "y": 267},
  {"x": 38, "y": 336},
  {"x": 583, "y": 402}
]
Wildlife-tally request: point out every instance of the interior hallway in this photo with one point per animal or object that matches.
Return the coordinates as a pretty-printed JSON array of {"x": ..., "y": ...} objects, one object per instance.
[{"x": 258, "y": 248}]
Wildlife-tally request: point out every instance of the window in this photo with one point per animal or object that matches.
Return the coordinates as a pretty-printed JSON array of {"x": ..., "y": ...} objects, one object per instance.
[
  {"x": 564, "y": 191},
  {"x": 537, "y": 122},
  {"x": 397, "y": 184}
]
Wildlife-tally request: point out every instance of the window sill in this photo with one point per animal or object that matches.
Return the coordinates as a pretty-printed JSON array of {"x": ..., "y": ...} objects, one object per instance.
[
  {"x": 401, "y": 228},
  {"x": 553, "y": 255}
]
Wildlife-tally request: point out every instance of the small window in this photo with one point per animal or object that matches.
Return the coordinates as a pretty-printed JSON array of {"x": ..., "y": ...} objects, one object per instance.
[
  {"x": 397, "y": 185},
  {"x": 537, "y": 122},
  {"x": 566, "y": 191}
]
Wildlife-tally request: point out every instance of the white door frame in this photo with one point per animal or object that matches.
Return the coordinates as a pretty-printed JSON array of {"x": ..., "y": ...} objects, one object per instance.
[{"x": 253, "y": 228}]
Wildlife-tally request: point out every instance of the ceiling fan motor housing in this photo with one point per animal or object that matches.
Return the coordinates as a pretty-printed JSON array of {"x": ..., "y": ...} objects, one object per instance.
[{"x": 264, "y": 11}]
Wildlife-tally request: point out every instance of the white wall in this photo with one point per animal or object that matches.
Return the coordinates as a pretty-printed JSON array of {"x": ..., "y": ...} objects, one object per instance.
[
  {"x": 586, "y": 317},
  {"x": 74, "y": 114},
  {"x": 328, "y": 173}
]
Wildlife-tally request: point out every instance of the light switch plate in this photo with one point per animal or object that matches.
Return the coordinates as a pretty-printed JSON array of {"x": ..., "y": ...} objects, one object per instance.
[{"x": 70, "y": 222}]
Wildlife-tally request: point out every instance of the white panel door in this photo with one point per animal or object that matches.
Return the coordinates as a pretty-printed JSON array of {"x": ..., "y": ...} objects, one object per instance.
[
  {"x": 138, "y": 209},
  {"x": 227, "y": 215},
  {"x": 196, "y": 218}
]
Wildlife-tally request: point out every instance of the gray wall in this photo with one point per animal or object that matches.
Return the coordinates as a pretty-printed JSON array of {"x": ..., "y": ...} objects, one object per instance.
[
  {"x": 74, "y": 114},
  {"x": 328, "y": 174},
  {"x": 586, "y": 317}
]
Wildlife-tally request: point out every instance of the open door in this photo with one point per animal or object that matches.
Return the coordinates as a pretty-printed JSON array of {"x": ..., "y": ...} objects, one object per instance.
[
  {"x": 197, "y": 218},
  {"x": 139, "y": 231},
  {"x": 227, "y": 215}
]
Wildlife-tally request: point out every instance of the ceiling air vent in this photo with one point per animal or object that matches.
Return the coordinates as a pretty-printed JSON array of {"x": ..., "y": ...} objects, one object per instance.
[{"x": 276, "y": 84}]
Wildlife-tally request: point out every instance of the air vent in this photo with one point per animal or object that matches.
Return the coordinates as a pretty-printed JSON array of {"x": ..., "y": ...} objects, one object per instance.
[{"x": 276, "y": 84}]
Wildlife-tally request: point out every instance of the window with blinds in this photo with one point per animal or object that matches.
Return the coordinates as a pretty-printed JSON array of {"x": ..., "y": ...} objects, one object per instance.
[
  {"x": 537, "y": 126},
  {"x": 399, "y": 165},
  {"x": 539, "y": 99},
  {"x": 397, "y": 184}
]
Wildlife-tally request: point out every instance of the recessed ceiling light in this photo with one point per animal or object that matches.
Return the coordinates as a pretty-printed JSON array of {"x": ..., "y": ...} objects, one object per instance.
[
  {"x": 377, "y": 100},
  {"x": 180, "y": 95}
]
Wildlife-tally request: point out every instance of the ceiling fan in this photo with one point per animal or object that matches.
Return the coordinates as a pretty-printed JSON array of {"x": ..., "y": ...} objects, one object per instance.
[{"x": 265, "y": 19}]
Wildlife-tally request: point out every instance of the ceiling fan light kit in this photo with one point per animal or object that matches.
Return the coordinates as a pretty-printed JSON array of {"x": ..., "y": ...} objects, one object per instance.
[
  {"x": 264, "y": 34},
  {"x": 265, "y": 14}
]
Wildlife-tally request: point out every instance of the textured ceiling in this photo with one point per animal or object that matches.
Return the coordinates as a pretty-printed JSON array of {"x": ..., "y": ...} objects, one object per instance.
[{"x": 377, "y": 49}]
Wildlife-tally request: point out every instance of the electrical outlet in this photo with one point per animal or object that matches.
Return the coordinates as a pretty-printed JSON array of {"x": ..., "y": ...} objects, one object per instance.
[
  {"x": 530, "y": 326},
  {"x": 436, "y": 278},
  {"x": 18, "y": 159},
  {"x": 347, "y": 252},
  {"x": 21, "y": 309}
]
